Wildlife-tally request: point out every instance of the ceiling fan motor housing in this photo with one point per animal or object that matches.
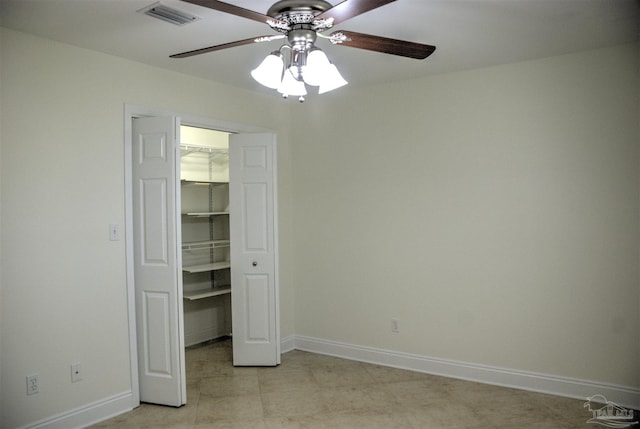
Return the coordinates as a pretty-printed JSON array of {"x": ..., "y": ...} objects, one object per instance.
[
  {"x": 296, "y": 14},
  {"x": 299, "y": 15},
  {"x": 284, "y": 8}
]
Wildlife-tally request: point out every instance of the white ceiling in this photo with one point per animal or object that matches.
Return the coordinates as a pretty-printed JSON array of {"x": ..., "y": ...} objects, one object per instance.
[{"x": 467, "y": 33}]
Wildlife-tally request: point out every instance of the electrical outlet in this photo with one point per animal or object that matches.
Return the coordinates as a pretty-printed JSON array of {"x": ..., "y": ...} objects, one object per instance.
[
  {"x": 76, "y": 372},
  {"x": 395, "y": 325},
  {"x": 32, "y": 384}
]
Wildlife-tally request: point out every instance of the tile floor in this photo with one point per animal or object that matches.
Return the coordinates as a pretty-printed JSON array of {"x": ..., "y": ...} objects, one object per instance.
[{"x": 309, "y": 391}]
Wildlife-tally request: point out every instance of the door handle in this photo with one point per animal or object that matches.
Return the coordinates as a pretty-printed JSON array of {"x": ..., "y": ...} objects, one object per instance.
[{"x": 254, "y": 263}]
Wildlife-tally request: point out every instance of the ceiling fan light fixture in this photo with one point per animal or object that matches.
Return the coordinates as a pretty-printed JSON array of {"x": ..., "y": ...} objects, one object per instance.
[
  {"x": 332, "y": 79},
  {"x": 269, "y": 72},
  {"x": 301, "y": 22}
]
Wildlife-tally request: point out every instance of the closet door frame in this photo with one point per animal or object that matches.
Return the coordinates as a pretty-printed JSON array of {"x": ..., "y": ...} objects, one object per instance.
[{"x": 136, "y": 111}]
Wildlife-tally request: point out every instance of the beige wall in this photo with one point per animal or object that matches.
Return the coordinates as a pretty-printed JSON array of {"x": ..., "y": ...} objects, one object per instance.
[
  {"x": 494, "y": 212},
  {"x": 63, "y": 282}
]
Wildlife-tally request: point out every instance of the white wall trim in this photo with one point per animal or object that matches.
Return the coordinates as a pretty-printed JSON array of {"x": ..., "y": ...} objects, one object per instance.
[
  {"x": 626, "y": 396},
  {"x": 287, "y": 344},
  {"x": 87, "y": 414}
]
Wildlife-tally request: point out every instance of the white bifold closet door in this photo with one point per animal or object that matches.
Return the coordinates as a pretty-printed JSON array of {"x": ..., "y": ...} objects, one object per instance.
[
  {"x": 254, "y": 291},
  {"x": 157, "y": 265},
  {"x": 157, "y": 258}
]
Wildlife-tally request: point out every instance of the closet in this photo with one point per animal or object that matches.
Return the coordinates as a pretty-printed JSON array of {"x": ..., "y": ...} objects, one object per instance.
[
  {"x": 204, "y": 190},
  {"x": 197, "y": 238}
]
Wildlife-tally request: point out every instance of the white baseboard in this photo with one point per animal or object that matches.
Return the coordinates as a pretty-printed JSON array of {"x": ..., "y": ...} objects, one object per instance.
[
  {"x": 88, "y": 414},
  {"x": 287, "y": 344},
  {"x": 625, "y": 396}
]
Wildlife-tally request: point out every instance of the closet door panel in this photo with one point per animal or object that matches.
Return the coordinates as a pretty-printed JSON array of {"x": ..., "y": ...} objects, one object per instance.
[
  {"x": 157, "y": 261},
  {"x": 254, "y": 283}
]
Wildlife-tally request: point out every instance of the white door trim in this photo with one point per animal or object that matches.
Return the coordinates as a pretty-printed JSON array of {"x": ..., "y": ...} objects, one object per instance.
[{"x": 132, "y": 111}]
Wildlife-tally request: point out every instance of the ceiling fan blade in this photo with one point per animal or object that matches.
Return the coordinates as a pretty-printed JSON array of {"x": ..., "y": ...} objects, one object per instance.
[
  {"x": 385, "y": 45},
  {"x": 350, "y": 8},
  {"x": 232, "y": 9},
  {"x": 227, "y": 45}
]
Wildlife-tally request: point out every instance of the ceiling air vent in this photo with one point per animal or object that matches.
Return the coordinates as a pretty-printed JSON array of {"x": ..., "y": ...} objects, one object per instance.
[{"x": 168, "y": 14}]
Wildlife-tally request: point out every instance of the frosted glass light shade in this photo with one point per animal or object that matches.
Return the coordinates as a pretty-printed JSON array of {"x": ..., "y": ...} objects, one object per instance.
[
  {"x": 315, "y": 70},
  {"x": 291, "y": 86},
  {"x": 332, "y": 80},
  {"x": 269, "y": 72}
]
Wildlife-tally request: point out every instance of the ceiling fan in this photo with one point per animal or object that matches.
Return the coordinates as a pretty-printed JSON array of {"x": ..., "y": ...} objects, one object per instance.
[{"x": 299, "y": 61}]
